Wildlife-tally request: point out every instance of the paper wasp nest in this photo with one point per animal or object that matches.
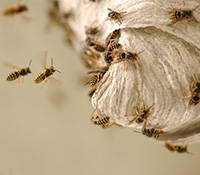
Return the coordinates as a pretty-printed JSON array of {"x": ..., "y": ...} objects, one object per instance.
[{"x": 168, "y": 63}]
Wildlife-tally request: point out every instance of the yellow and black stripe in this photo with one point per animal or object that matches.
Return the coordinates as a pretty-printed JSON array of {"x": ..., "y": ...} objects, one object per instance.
[
  {"x": 12, "y": 76},
  {"x": 40, "y": 77},
  {"x": 95, "y": 79},
  {"x": 99, "y": 48},
  {"x": 104, "y": 121},
  {"x": 91, "y": 92}
]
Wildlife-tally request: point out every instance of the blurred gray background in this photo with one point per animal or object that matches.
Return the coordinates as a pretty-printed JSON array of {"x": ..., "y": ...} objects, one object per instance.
[{"x": 48, "y": 131}]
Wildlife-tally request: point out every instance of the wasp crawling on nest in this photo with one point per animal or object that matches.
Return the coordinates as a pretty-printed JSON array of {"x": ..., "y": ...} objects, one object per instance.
[{"x": 177, "y": 15}]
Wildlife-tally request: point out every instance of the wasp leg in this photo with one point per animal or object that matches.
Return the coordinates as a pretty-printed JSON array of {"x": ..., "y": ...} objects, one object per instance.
[
  {"x": 126, "y": 65},
  {"x": 188, "y": 152},
  {"x": 136, "y": 63},
  {"x": 175, "y": 25},
  {"x": 183, "y": 4},
  {"x": 151, "y": 111},
  {"x": 45, "y": 82},
  {"x": 135, "y": 117},
  {"x": 190, "y": 94},
  {"x": 159, "y": 132},
  {"x": 111, "y": 23},
  {"x": 22, "y": 79},
  {"x": 137, "y": 110},
  {"x": 184, "y": 24},
  {"x": 156, "y": 126},
  {"x": 175, "y": 22},
  {"x": 121, "y": 62},
  {"x": 193, "y": 19},
  {"x": 141, "y": 105},
  {"x": 118, "y": 22},
  {"x": 18, "y": 82},
  {"x": 110, "y": 124},
  {"x": 174, "y": 8},
  {"x": 144, "y": 125}
]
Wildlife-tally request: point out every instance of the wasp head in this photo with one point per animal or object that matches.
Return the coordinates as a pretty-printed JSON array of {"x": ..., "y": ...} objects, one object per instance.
[{"x": 29, "y": 70}]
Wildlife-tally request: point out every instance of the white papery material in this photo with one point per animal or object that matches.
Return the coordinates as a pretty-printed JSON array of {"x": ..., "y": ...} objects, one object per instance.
[{"x": 169, "y": 63}]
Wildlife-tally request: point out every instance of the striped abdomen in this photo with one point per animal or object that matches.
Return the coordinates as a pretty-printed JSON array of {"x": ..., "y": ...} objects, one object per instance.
[
  {"x": 40, "y": 77},
  {"x": 96, "y": 79},
  {"x": 99, "y": 48},
  {"x": 175, "y": 15},
  {"x": 194, "y": 100},
  {"x": 169, "y": 147},
  {"x": 104, "y": 121},
  {"x": 12, "y": 76}
]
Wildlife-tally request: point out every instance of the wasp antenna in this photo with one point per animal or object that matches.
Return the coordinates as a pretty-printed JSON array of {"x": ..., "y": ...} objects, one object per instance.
[
  {"x": 151, "y": 105},
  {"x": 140, "y": 52},
  {"x": 195, "y": 8},
  {"x": 51, "y": 61},
  {"x": 87, "y": 83},
  {"x": 44, "y": 59},
  {"x": 30, "y": 63},
  {"x": 145, "y": 123},
  {"x": 58, "y": 71}
]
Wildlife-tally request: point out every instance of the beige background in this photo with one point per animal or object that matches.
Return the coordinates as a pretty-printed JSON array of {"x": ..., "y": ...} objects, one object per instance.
[{"x": 48, "y": 132}]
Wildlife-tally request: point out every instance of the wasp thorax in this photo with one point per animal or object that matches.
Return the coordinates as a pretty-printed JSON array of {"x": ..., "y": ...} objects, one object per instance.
[
  {"x": 186, "y": 14},
  {"x": 53, "y": 69},
  {"x": 22, "y": 8}
]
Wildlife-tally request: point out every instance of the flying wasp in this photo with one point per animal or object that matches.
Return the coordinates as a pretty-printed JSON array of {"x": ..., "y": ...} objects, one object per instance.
[
  {"x": 19, "y": 73},
  {"x": 115, "y": 16},
  {"x": 45, "y": 74},
  {"x": 177, "y": 148},
  {"x": 15, "y": 9},
  {"x": 194, "y": 94},
  {"x": 177, "y": 15},
  {"x": 143, "y": 115}
]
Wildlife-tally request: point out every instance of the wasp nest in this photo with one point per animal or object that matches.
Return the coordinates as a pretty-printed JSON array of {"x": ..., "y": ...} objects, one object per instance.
[{"x": 154, "y": 65}]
